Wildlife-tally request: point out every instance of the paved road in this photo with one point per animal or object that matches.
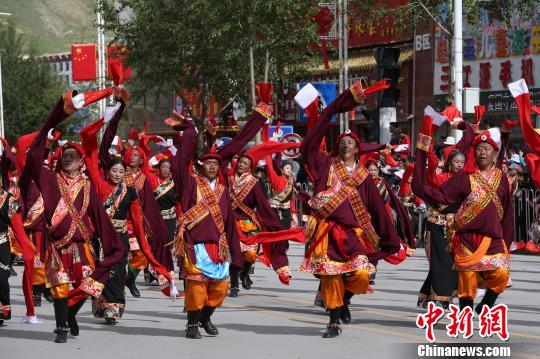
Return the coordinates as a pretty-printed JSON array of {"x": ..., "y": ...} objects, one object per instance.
[{"x": 274, "y": 321}]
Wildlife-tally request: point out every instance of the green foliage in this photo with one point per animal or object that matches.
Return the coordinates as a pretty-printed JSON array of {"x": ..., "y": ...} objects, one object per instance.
[
  {"x": 205, "y": 43},
  {"x": 29, "y": 87}
]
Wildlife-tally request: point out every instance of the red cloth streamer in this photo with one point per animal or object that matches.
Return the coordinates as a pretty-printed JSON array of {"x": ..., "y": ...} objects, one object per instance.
[
  {"x": 312, "y": 113},
  {"x": 479, "y": 113},
  {"x": 293, "y": 234},
  {"x": 451, "y": 112},
  {"x": 265, "y": 92},
  {"x": 427, "y": 125},
  {"x": 398, "y": 257},
  {"x": 262, "y": 150},
  {"x": 376, "y": 87},
  {"x": 22, "y": 145},
  {"x": 27, "y": 250}
]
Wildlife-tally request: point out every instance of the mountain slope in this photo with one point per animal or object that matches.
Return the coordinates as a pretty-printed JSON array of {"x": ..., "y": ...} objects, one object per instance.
[{"x": 53, "y": 25}]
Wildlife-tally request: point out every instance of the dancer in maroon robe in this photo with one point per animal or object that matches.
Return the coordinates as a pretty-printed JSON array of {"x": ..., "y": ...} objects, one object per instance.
[{"x": 72, "y": 209}]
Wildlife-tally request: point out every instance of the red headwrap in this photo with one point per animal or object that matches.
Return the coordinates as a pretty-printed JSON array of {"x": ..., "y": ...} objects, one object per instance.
[
  {"x": 484, "y": 136},
  {"x": 369, "y": 158},
  {"x": 129, "y": 155},
  {"x": 349, "y": 133},
  {"x": 210, "y": 155}
]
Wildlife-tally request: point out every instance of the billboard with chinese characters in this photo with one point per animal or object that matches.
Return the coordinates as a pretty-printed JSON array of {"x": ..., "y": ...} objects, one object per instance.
[
  {"x": 494, "y": 54},
  {"x": 364, "y": 31}
]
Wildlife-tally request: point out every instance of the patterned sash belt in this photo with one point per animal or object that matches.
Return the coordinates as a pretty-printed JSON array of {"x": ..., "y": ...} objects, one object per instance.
[
  {"x": 168, "y": 213},
  {"x": 120, "y": 225},
  {"x": 279, "y": 205},
  {"x": 3, "y": 237},
  {"x": 441, "y": 219}
]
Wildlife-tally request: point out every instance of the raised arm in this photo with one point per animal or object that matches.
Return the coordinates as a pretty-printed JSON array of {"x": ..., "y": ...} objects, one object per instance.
[
  {"x": 181, "y": 163},
  {"x": 310, "y": 147},
  {"x": 89, "y": 142},
  {"x": 258, "y": 117},
  {"x": 468, "y": 137},
  {"x": 450, "y": 192},
  {"x": 278, "y": 182},
  {"x": 370, "y": 147},
  {"x": 108, "y": 137},
  {"x": 41, "y": 176}
]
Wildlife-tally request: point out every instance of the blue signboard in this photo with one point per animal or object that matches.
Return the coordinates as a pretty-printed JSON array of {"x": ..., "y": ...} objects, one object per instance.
[
  {"x": 327, "y": 94},
  {"x": 284, "y": 130}
]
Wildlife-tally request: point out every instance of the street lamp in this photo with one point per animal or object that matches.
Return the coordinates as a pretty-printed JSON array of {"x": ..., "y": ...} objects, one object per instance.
[{"x": 1, "y": 90}]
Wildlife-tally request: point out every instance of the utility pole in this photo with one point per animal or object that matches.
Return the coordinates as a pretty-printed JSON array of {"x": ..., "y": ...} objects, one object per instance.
[
  {"x": 2, "y": 90},
  {"x": 345, "y": 56},
  {"x": 458, "y": 54},
  {"x": 340, "y": 51},
  {"x": 102, "y": 70}
]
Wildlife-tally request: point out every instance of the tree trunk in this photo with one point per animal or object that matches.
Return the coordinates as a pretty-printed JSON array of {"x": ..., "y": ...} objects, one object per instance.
[
  {"x": 252, "y": 74},
  {"x": 267, "y": 65}
]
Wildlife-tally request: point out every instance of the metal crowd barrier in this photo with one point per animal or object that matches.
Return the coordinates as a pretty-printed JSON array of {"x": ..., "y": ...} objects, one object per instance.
[{"x": 525, "y": 213}]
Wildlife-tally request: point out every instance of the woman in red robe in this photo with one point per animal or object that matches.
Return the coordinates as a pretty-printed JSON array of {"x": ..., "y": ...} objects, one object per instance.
[{"x": 120, "y": 202}]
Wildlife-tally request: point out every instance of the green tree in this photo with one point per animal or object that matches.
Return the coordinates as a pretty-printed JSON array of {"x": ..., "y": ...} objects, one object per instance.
[
  {"x": 29, "y": 87},
  {"x": 206, "y": 44}
]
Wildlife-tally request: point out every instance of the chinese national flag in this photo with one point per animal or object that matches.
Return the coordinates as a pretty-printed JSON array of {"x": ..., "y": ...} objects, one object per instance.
[
  {"x": 117, "y": 54},
  {"x": 83, "y": 59}
]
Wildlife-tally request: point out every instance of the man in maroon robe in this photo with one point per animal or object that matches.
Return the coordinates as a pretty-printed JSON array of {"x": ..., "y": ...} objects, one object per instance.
[
  {"x": 483, "y": 227},
  {"x": 208, "y": 238},
  {"x": 349, "y": 226},
  {"x": 72, "y": 209}
]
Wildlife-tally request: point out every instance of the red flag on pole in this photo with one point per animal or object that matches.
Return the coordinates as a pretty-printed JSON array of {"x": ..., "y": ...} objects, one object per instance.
[
  {"x": 83, "y": 60},
  {"x": 116, "y": 55}
]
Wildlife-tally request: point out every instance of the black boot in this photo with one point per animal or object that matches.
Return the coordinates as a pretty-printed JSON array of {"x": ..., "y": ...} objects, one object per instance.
[
  {"x": 192, "y": 327},
  {"x": 345, "y": 312},
  {"x": 465, "y": 302},
  {"x": 37, "y": 300},
  {"x": 72, "y": 321},
  {"x": 489, "y": 299},
  {"x": 206, "y": 323},
  {"x": 60, "y": 314},
  {"x": 333, "y": 328},
  {"x": 61, "y": 335},
  {"x": 233, "y": 293},
  {"x": 244, "y": 276},
  {"x": 37, "y": 291},
  {"x": 130, "y": 283},
  {"x": 47, "y": 294},
  {"x": 233, "y": 273}
]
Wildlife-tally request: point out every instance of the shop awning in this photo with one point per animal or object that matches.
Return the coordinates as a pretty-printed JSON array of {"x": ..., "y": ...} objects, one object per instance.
[{"x": 361, "y": 59}]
